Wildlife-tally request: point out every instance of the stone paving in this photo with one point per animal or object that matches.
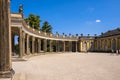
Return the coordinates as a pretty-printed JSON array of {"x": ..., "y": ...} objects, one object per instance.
[{"x": 69, "y": 66}]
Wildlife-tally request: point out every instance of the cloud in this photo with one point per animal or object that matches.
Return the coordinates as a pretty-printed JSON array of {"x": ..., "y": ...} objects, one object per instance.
[{"x": 98, "y": 21}]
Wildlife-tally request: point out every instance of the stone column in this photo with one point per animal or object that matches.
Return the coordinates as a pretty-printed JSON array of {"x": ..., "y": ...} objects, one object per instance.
[
  {"x": 33, "y": 45},
  {"x": 38, "y": 46},
  {"x": 28, "y": 49},
  {"x": 58, "y": 46},
  {"x": 76, "y": 47},
  {"x": 70, "y": 46},
  {"x": 23, "y": 40},
  {"x": 5, "y": 39},
  {"x": 45, "y": 45},
  {"x": 51, "y": 48},
  {"x": 63, "y": 46},
  {"x": 20, "y": 44}
]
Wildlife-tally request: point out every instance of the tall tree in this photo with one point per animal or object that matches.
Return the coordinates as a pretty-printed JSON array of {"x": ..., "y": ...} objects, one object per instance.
[
  {"x": 33, "y": 21},
  {"x": 46, "y": 27}
]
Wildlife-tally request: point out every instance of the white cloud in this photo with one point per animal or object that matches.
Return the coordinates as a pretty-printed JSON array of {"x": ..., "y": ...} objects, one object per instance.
[{"x": 98, "y": 21}]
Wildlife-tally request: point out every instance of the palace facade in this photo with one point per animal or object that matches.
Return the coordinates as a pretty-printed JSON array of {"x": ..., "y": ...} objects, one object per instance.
[
  {"x": 33, "y": 41},
  {"x": 106, "y": 42}
]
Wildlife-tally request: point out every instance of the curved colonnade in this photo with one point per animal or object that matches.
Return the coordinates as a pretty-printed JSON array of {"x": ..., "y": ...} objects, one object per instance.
[{"x": 34, "y": 41}]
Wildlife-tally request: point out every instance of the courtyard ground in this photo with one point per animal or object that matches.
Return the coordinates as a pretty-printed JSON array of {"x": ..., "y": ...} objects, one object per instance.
[{"x": 69, "y": 66}]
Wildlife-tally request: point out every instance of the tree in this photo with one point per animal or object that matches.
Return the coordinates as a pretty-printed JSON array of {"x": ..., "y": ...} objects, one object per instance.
[
  {"x": 46, "y": 27},
  {"x": 33, "y": 21}
]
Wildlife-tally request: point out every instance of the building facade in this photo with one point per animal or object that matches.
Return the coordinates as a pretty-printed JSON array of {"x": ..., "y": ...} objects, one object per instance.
[{"x": 34, "y": 41}]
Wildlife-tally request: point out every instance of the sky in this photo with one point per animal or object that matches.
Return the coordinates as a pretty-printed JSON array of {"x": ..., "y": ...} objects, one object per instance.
[{"x": 74, "y": 16}]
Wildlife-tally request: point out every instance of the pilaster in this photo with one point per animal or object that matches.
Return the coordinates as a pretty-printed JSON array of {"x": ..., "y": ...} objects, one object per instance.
[{"x": 76, "y": 47}]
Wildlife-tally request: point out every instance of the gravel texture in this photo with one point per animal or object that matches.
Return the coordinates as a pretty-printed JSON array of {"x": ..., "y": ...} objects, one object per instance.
[{"x": 69, "y": 66}]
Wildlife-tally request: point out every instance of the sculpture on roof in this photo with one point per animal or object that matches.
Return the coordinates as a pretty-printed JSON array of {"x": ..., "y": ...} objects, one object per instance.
[{"x": 21, "y": 8}]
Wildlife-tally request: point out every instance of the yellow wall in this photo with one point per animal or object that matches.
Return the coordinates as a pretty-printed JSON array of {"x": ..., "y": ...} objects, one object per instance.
[{"x": 106, "y": 43}]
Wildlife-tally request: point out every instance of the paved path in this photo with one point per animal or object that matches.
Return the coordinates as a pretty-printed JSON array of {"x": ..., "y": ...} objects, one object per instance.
[{"x": 69, "y": 66}]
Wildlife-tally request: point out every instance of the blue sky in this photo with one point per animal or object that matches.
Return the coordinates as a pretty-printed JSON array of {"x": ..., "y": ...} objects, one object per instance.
[{"x": 74, "y": 16}]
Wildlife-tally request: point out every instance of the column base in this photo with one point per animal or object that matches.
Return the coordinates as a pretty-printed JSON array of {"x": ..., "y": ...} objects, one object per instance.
[{"x": 7, "y": 74}]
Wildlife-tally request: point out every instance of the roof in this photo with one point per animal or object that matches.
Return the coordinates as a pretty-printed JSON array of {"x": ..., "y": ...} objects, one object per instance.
[{"x": 111, "y": 33}]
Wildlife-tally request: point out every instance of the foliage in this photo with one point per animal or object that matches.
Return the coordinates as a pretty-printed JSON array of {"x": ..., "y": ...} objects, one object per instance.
[
  {"x": 17, "y": 51},
  {"x": 33, "y": 21},
  {"x": 46, "y": 27}
]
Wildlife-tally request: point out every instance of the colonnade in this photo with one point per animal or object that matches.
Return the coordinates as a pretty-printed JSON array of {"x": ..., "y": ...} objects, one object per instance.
[
  {"x": 33, "y": 45},
  {"x": 29, "y": 44}
]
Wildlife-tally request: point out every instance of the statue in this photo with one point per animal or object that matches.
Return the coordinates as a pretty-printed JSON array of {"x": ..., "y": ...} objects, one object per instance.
[{"x": 21, "y": 8}]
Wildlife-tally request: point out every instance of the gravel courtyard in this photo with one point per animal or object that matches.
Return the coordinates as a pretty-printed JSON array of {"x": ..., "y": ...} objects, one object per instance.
[{"x": 69, "y": 66}]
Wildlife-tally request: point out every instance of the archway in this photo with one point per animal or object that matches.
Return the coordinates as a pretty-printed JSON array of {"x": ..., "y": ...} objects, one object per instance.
[
  {"x": 98, "y": 45},
  {"x": 113, "y": 45},
  {"x": 91, "y": 46},
  {"x": 105, "y": 45},
  {"x": 85, "y": 46}
]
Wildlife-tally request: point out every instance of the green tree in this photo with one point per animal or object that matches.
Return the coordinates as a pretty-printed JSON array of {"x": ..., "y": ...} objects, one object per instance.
[
  {"x": 46, "y": 27},
  {"x": 33, "y": 21}
]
